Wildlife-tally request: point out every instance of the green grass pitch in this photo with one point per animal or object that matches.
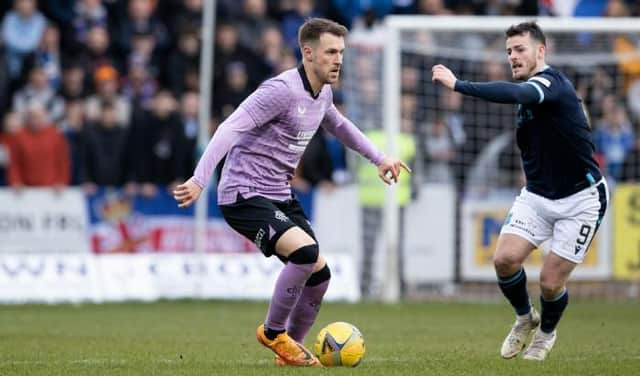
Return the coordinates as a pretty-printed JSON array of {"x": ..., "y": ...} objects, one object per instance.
[{"x": 217, "y": 338}]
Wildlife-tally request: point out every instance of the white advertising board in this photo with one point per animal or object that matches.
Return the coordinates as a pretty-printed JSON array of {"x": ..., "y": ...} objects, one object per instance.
[
  {"x": 77, "y": 278},
  {"x": 43, "y": 221}
]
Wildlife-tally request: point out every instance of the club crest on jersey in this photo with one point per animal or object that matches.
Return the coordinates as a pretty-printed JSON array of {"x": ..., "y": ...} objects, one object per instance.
[
  {"x": 301, "y": 109},
  {"x": 524, "y": 115}
]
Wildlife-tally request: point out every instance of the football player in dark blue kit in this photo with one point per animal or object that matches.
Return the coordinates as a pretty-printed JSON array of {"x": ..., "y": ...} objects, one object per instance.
[{"x": 565, "y": 196}]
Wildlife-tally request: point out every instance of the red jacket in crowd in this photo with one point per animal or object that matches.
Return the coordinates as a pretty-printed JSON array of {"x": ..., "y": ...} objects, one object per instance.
[{"x": 39, "y": 157}]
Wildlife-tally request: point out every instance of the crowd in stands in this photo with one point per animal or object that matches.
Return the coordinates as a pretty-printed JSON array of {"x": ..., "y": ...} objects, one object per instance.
[{"x": 106, "y": 92}]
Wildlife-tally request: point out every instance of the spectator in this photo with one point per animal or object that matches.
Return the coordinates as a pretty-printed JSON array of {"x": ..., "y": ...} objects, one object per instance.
[
  {"x": 5, "y": 82},
  {"x": 106, "y": 80},
  {"x": 192, "y": 79},
  {"x": 367, "y": 31},
  {"x": 48, "y": 56},
  {"x": 614, "y": 138},
  {"x": 105, "y": 150},
  {"x": 139, "y": 87},
  {"x": 58, "y": 11},
  {"x": 230, "y": 9},
  {"x": 182, "y": 59},
  {"x": 157, "y": 146},
  {"x": 233, "y": 90},
  {"x": 189, "y": 17},
  {"x": 631, "y": 165},
  {"x": 287, "y": 61},
  {"x": 140, "y": 19},
  {"x": 41, "y": 153},
  {"x": 292, "y": 21},
  {"x": 98, "y": 51},
  {"x": 10, "y": 126},
  {"x": 189, "y": 106},
  {"x": 86, "y": 15},
  {"x": 37, "y": 90},
  {"x": 73, "y": 82},
  {"x": 253, "y": 23},
  {"x": 22, "y": 30},
  {"x": 432, "y": 7},
  {"x": 271, "y": 50},
  {"x": 594, "y": 89},
  {"x": 440, "y": 152},
  {"x": 72, "y": 127},
  {"x": 615, "y": 8},
  {"x": 346, "y": 11},
  {"x": 228, "y": 50},
  {"x": 144, "y": 52},
  {"x": 451, "y": 102}
]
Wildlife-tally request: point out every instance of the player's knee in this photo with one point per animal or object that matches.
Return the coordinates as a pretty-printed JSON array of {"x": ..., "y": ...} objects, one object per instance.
[
  {"x": 320, "y": 276},
  {"x": 307, "y": 254},
  {"x": 549, "y": 286},
  {"x": 505, "y": 262}
]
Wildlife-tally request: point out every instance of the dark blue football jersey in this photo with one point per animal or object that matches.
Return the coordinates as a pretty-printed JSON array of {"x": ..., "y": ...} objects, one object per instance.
[{"x": 554, "y": 137}]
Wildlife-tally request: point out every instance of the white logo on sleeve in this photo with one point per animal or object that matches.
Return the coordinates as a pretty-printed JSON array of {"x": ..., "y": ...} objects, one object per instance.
[{"x": 542, "y": 80}]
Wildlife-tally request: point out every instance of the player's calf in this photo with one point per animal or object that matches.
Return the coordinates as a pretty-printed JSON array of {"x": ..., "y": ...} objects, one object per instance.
[{"x": 306, "y": 310}]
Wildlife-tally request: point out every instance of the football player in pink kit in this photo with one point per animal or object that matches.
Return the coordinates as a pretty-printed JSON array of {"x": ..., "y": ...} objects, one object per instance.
[{"x": 264, "y": 139}]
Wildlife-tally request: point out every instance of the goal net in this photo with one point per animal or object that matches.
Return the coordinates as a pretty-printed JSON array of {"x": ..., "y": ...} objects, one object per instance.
[{"x": 467, "y": 144}]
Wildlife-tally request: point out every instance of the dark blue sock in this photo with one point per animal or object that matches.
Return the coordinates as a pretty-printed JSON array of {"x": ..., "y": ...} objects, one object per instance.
[
  {"x": 514, "y": 288},
  {"x": 552, "y": 311}
]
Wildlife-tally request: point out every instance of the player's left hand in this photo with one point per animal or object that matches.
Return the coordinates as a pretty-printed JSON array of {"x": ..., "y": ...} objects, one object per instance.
[
  {"x": 443, "y": 75},
  {"x": 389, "y": 169},
  {"x": 187, "y": 193}
]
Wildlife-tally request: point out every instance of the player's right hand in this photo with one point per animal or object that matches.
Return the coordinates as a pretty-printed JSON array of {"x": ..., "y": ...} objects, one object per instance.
[
  {"x": 443, "y": 75},
  {"x": 187, "y": 193}
]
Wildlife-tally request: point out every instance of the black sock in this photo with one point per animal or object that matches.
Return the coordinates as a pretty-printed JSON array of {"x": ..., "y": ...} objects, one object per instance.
[
  {"x": 514, "y": 288},
  {"x": 552, "y": 311},
  {"x": 272, "y": 333}
]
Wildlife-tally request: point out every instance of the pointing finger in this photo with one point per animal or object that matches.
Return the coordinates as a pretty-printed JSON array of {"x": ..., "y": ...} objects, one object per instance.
[{"x": 403, "y": 165}]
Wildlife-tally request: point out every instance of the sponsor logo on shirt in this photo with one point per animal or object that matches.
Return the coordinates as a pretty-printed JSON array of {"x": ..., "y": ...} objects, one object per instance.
[
  {"x": 281, "y": 216},
  {"x": 302, "y": 140}
]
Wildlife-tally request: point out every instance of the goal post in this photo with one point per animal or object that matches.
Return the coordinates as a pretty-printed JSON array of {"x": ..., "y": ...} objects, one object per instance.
[{"x": 480, "y": 134}]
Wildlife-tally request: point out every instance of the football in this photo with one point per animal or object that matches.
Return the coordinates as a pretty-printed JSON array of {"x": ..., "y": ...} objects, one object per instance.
[{"x": 339, "y": 344}]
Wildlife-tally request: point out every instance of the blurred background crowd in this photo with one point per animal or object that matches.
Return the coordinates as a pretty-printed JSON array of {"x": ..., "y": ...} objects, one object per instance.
[{"x": 106, "y": 92}]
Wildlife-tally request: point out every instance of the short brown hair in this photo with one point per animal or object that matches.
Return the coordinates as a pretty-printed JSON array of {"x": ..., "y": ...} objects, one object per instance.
[
  {"x": 530, "y": 27},
  {"x": 311, "y": 30}
]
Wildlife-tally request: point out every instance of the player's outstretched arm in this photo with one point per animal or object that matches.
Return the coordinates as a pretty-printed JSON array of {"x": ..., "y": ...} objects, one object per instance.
[
  {"x": 226, "y": 135},
  {"x": 498, "y": 91},
  {"x": 267, "y": 102},
  {"x": 351, "y": 136},
  {"x": 389, "y": 169}
]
